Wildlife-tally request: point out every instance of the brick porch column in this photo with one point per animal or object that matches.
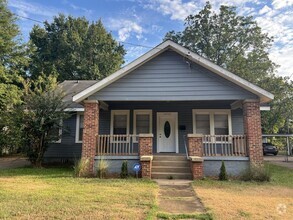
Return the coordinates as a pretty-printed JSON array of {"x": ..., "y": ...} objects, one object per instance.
[
  {"x": 146, "y": 154},
  {"x": 195, "y": 151},
  {"x": 90, "y": 130},
  {"x": 252, "y": 130}
]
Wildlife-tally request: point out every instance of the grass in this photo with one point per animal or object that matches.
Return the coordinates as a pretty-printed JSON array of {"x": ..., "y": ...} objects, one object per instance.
[
  {"x": 249, "y": 200},
  {"x": 28, "y": 193},
  {"x": 204, "y": 216}
]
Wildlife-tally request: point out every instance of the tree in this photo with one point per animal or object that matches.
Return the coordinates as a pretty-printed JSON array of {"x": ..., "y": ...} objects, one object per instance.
[
  {"x": 74, "y": 49},
  {"x": 13, "y": 66},
  {"x": 229, "y": 40},
  {"x": 42, "y": 116},
  {"x": 238, "y": 44}
]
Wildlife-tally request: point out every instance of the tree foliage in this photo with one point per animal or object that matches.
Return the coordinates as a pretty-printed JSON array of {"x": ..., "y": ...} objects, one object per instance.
[
  {"x": 13, "y": 65},
  {"x": 43, "y": 113},
  {"x": 238, "y": 44},
  {"x": 13, "y": 59},
  {"x": 73, "y": 48}
]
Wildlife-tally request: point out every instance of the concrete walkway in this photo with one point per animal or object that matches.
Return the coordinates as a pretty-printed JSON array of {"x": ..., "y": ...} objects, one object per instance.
[
  {"x": 280, "y": 161},
  {"x": 178, "y": 197},
  {"x": 13, "y": 162}
]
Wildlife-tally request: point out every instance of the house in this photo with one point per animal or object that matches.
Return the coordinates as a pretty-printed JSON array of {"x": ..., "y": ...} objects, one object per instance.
[{"x": 172, "y": 111}]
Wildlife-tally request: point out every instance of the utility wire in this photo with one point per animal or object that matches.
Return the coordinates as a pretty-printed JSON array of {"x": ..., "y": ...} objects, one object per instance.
[
  {"x": 28, "y": 18},
  {"x": 123, "y": 42}
]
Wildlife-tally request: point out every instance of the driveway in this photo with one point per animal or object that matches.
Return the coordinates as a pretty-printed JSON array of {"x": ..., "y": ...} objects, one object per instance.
[
  {"x": 280, "y": 160},
  {"x": 13, "y": 162}
]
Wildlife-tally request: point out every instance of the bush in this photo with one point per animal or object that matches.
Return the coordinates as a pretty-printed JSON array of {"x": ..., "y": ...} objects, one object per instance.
[
  {"x": 124, "y": 170},
  {"x": 256, "y": 173},
  {"x": 223, "y": 174},
  {"x": 102, "y": 168},
  {"x": 81, "y": 168}
]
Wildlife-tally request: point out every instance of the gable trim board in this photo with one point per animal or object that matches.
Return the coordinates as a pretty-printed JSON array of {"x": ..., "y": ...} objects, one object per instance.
[{"x": 264, "y": 95}]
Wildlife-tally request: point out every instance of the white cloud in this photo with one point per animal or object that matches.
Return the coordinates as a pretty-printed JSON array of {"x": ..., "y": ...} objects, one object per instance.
[
  {"x": 265, "y": 10},
  {"x": 283, "y": 57},
  {"x": 278, "y": 4},
  {"x": 177, "y": 9},
  {"x": 133, "y": 52},
  {"x": 35, "y": 9},
  {"x": 76, "y": 7},
  {"x": 126, "y": 28}
]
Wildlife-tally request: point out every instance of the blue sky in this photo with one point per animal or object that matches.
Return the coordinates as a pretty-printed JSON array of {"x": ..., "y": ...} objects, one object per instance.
[{"x": 145, "y": 22}]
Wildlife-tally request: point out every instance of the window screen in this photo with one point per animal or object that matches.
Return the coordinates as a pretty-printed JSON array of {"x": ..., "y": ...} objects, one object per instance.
[
  {"x": 142, "y": 124},
  {"x": 221, "y": 124},
  {"x": 202, "y": 123},
  {"x": 120, "y": 124},
  {"x": 80, "y": 127}
]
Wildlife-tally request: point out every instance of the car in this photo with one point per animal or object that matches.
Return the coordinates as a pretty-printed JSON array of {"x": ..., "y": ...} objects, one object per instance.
[{"x": 269, "y": 148}]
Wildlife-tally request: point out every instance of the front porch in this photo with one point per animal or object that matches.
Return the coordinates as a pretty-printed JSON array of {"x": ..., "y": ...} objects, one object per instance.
[{"x": 205, "y": 132}]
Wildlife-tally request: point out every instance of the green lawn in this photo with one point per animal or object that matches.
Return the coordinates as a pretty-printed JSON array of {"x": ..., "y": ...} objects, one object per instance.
[
  {"x": 29, "y": 193},
  {"x": 249, "y": 200}
]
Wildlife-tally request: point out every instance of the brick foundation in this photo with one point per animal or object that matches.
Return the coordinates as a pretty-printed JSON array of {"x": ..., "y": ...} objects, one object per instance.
[
  {"x": 146, "y": 150},
  {"x": 90, "y": 130},
  {"x": 195, "y": 150},
  {"x": 146, "y": 169},
  {"x": 252, "y": 129},
  {"x": 196, "y": 169}
]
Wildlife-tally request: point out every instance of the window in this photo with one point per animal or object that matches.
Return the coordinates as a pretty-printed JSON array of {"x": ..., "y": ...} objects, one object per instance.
[
  {"x": 79, "y": 128},
  {"x": 212, "y": 121},
  {"x": 142, "y": 122},
  {"x": 120, "y": 122},
  {"x": 56, "y": 132}
]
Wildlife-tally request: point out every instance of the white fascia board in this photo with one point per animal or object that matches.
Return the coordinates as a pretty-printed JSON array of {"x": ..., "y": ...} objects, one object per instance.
[
  {"x": 121, "y": 72},
  {"x": 265, "y": 108},
  {"x": 74, "y": 109},
  {"x": 264, "y": 95}
]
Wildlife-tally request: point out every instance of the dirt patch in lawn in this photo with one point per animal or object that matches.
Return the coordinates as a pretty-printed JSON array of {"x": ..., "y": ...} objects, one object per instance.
[{"x": 247, "y": 202}]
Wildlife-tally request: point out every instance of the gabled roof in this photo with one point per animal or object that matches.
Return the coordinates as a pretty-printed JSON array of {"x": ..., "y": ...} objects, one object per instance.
[{"x": 264, "y": 95}]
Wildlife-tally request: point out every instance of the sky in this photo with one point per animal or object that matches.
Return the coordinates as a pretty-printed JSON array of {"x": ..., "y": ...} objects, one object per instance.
[{"x": 142, "y": 24}]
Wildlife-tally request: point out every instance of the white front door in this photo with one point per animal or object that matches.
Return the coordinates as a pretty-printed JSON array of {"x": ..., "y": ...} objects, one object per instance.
[{"x": 167, "y": 132}]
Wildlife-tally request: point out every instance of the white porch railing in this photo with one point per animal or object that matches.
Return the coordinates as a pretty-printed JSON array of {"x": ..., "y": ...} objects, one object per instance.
[
  {"x": 224, "y": 145},
  {"x": 117, "y": 144}
]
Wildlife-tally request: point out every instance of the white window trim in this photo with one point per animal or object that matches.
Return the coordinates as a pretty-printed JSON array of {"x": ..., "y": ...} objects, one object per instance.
[
  {"x": 119, "y": 112},
  {"x": 142, "y": 112},
  {"x": 211, "y": 113},
  {"x": 77, "y": 127}
]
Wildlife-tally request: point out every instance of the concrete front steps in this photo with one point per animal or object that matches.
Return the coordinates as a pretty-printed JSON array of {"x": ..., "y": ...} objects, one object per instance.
[{"x": 170, "y": 166}]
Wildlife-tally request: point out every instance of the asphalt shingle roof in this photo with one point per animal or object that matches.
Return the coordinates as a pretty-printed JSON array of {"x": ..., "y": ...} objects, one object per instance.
[{"x": 72, "y": 87}]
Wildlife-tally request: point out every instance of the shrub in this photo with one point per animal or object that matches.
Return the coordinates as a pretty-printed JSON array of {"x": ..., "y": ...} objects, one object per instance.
[
  {"x": 81, "y": 168},
  {"x": 102, "y": 168},
  {"x": 256, "y": 173},
  {"x": 124, "y": 170},
  {"x": 223, "y": 174}
]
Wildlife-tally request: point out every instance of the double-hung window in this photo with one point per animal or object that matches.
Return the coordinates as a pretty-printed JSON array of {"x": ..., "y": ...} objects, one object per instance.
[
  {"x": 79, "y": 128},
  {"x": 120, "y": 124},
  {"x": 212, "y": 122},
  {"x": 142, "y": 122}
]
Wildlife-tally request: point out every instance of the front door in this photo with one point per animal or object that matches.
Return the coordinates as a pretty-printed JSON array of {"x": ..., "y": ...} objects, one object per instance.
[{"x": 167, "y": 132}]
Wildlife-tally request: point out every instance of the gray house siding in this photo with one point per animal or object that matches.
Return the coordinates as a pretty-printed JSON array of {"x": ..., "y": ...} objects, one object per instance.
[
  {"x": 184, "y": 110},
  {"x": 67, "y": 149},
  {"x": 171, "y": 77}
]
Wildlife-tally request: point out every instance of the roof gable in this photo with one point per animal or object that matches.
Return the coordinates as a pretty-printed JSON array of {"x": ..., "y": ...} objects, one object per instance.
[
  {"x": 262, "y": 94},
  {"x": 171, "y": 77}
]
